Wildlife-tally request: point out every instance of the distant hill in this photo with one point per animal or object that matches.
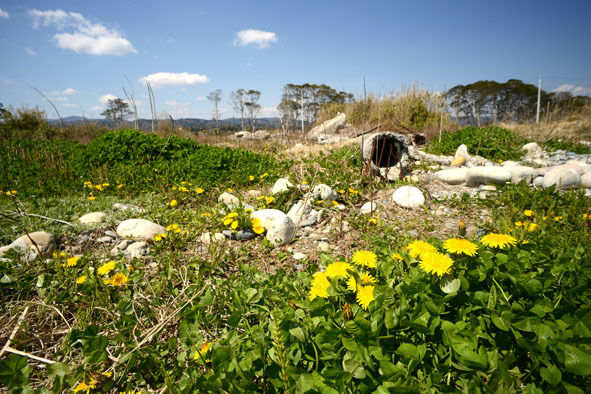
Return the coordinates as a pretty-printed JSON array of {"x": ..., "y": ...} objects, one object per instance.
[{"x": 191, "y": 123}]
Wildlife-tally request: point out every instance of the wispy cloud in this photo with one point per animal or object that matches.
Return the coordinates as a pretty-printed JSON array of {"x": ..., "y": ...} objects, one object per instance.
[
  {"x": 69, "y": 92},
  {"x": 87, "y": 37},
  {"x": 268, "y": 112},
  {"x": 96, "y": 108},
  {"x": 200, "y": 98},
  {"x": 30, "y": 52},
  {"x": 255, "y": 37},
  {"x": 105, "y": 98},
  {"x": 4, "y": 14},
  {"x": 165, "y": 79},
  {"x": 574, "y": 90},
  {"x": 70, "y": 105}
]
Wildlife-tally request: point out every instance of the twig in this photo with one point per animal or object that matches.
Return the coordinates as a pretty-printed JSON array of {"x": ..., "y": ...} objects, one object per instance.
[
  {"x": 49, "y": 101},
  {"x": 43, "y": 360},
  {"x": 14, "y": 330},
  {"x": 37, "y": 216}
]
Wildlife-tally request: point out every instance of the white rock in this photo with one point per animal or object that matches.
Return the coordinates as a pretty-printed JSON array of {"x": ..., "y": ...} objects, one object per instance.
[
  {"x": 260, "y": 135},
  {"x": 300, "y": 210},
  {"x": 281, "y": 185},
  {"x": 93, "y": 217},
  {"x": 42, "y": 239},
  {"x": 137, "y": 246},
  {"x": 368, "y": 208},
  {"x": 462, "y": 151},
  {"x": 408, "y": 197},
  {"x": 324, "y": 192},
  {"x": 537, "y": 182},
  {"x": 452, "y": 176},
  {"x": 269, "y": 217},
  {"x": 228, "y": 199},
  {"x": 489, "y": 174},
  {"x": 586, "y": 181},
  {"x": 121, "y": 247},
  {"x": 510, "y": 163},
  {"x": 219, "y": 237},
  {"x": 330, "y": 126},
  {"x": 139, "y": 229},
  {"x": 561, "y": 178},
  {"x": 323, "y": 246},
  {"x": 532, "y": 149},
  {"x": 299, "y": 256},
  {"x": 242, "y": 134},
  {"x": 205, "y": 238},
  {"x": 521, "y": 172},
  {"x": 282, "y": 232}
]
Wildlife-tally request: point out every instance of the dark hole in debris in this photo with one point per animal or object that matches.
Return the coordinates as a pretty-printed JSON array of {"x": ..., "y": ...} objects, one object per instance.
[{"x": 386, "y": 151}]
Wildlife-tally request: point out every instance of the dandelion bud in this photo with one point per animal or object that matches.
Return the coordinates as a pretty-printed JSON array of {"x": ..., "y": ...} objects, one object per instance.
[{"x": 461, "y": 228}]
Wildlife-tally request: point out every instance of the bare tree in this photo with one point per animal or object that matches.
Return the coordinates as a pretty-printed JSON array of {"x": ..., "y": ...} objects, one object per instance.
[
  {"x": 131, "y": 98},
  {"x": 215, "y": 97},
  {"x": 252, "y": 106},
  {"x": 117, "y": 111},
  {"x": 237, "y": 100}
]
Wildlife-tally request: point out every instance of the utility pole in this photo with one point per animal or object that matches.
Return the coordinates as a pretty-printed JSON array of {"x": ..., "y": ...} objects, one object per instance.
[{"x": 539, "y": 94}]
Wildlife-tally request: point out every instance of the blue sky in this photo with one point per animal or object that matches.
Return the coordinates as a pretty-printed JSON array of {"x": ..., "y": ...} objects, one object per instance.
[{"x": 80, "y": 53}]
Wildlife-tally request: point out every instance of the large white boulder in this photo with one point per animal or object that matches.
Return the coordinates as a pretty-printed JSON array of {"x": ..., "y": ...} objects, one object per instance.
[
  {"x": 269, "y": 217},
  {"x": 330, "y": 126},
  {"x": 281, "y": 185},
  {"x": 521, "y": 172},
  {"x": 561, "y": 177},
  {"x": 139, "y": 229},
  {"x": 532, "y": 149},
  {"x": 408, "y": 197},
  {"x": 300, "y": 210},
  {"x": 586, "y": 181},
  {"x": 42, "y": 239},
  {"x": 487, "y": 174},
  {"x": 228, "y": 199}
]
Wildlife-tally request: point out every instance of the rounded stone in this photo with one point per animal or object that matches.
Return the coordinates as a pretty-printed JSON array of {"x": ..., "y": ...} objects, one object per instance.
[
  {"x": 561, "y": 178},
  {"x": 487, "y": 174},
  {"x": 139, "y": 229},
  {"x": 281, "y": 185},
  {"x": 324, "y": 192},
  {"x": 586, "y": 181},
  {"x": 452, "y": 176},
  {"x": 462, "y": 151},
  {"x": 458, "y": 161},
  {"x": 92, "y": 218},
  {"x": 282, "y": 232},
  {"x": 408, "y": 197},
  {"x": 228, "y": 199},
  {"x": 42, "y": 239},
  {"x": 368, "y": 208},
  {"x": 537, "y": 182},
  {"x": 521, "y": 172},
  {"x": 269, "y": 217}
]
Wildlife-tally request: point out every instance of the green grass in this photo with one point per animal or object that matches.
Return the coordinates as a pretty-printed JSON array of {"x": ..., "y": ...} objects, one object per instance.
[{"x": 510, "y": 319}]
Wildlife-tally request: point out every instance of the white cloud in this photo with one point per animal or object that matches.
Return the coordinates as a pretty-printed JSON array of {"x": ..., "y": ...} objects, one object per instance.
[
  {"x": 268, "y": 112},
  {"x": 87, "y": 37},
  {"x": 70, "y": 105},
  {"x": 105, "y": 99},
  {"x": 59, "y": 99},
  {"x": 200, "y": 98},
  {"x": 30, "y": 52},
  {"x": 70, "y": 91},
  {"x": 4, "y": 14},
  {"x": 163, "y": 79},
  {"x": 171, "y": 103},
  {"x": 96, "y": 108},
  {"x": 256, "y": 37},
  {"x": 574, "y": 90}
]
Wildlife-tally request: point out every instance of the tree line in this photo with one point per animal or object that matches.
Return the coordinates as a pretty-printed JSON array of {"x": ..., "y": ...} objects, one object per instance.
[{"x": 490, "y": 101}]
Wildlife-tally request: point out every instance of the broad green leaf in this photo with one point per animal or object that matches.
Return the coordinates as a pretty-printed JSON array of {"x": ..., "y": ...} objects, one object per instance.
[
  {"x": 551, "y": 374},
  {"x": 14, "y": 371},
  {"x": 499, "y": 322},
  {"x": 354, "y": 367},
  {"x": 449, "y": 284},
  {"x": 576, "y": 360},
  {"x": 305, "y": 383},
  {"x": 298, "y": 333}
]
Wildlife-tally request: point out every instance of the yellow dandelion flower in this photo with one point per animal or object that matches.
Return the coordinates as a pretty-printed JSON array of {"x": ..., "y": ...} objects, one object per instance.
[
  {"x": 557, "y": 218},
  {"x": 367, "y": 279},
  {"x": 269, "y": 200},
  {"x": 106, "y": 268},
  {"x": 372, "y": 221},
  {"x": 341, "y": 191},
  {"x": 232, "y": 215},
  {"x": 251, "y": 178},
  {"x": 353, "y": 191},
  {"x": 159, "y": 237},
  {"x": 498, "y": 240},
  {"x": 106, "y": 184},
  {"x": 460, "y": 246},
  {"x": 337, "y": 269},
  {"x": 71, "y": 262},
  {"x": 264, "y": 175},
  {"x": 91, "y": 198},
  {"x": 528, "y": 212},
  {"x": 320, "y": 285},
  {"x": 532, "y": 227},
  {"x": 518, "y": 224},
  {"x": 436, "y": 263},
  {"x": 524, "y": 242},
  {"x": 365, "y": 296},
  {"x": 60, "y": 254},
  {"x": 199, "y": 190},
  {"x": 234, "y": 225},
  {"x": 183, "y": 189},
  {"x": 586, "y": 216},
  {"x": 397, "y": 257},
  {"x": 81, "y": 279},
  {"x": 99, "y": 187},
  {"x": 335, "y": 203},
  {"x": 419, "y": 248},
  {"x": 172, "y": 227},
  {"x": 119, "y": 280},
  {"x": 365, "y": 258},
  {"x": 352, "y": 284},
  {"x": 82, "y": 386},
  {"x": 230, "y": 190},
  {"x": 319, "y": 202},
  {"x": 256, "y": 226},
  {"x": 206, "y": 215},
  {"x": 119, "y": 186},
  {"x": 202, "y": 351},
  {"x": 173, "y": 203}
]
